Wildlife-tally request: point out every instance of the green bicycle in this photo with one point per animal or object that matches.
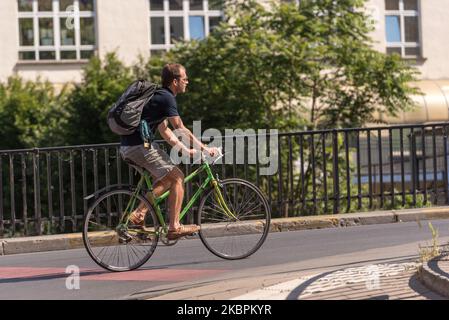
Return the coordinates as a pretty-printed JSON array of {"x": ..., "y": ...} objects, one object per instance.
[{"x": 234, "y": 216}]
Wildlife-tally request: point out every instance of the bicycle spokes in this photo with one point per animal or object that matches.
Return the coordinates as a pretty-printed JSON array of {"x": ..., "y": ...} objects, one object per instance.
[
  {"x": 114, "y": 245},
  {"x": 239, "y": 235}
]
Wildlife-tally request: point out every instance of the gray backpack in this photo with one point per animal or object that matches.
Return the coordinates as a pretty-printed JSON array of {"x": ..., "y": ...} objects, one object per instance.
[{"x": 124, "y": 116}]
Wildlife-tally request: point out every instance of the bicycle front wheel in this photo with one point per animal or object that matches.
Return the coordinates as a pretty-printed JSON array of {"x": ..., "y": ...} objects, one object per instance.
[
  {"x": 242, "y": 231},
  {"x": 113, "y": 245}
]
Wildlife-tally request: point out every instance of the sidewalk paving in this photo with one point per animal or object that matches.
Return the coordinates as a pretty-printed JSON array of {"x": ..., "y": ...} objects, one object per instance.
[
  {"x": 372, "y": 282},
  {"x": 385, "y": 281}
]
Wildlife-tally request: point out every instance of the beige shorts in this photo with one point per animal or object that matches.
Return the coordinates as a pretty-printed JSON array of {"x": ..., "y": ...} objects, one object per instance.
[{"x": 154, "y": 160}]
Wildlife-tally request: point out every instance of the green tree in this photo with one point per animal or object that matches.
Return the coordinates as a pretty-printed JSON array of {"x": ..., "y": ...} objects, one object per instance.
[
  {"x": 31, "y": 114},
  {"x": 291, "y": 67},
  {"x": 88, "y": 103}
]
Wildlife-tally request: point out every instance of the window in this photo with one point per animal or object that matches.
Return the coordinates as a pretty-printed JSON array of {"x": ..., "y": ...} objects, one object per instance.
[
  {"x": 177, "y": 20},
  {"x": 402, "y": 28},
  {"x": 196, "y": 4},
  {"x": 213, "y": 23},
  {"x": 26, "y": 32},
  {"x": 157, "y": 30},
  {"x": 157, "y": 5},
  {"x": 196, "y": 25},
  {"x": 56, "y": 29},
  {"x": 25, "y": 5},
  {"x": 176, "y": 29}
]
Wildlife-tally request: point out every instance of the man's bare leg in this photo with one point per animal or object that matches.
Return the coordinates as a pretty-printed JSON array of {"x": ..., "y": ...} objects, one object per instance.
[
  {"x": 174, "y": 177},
  {"x": 175, "y": 198}
]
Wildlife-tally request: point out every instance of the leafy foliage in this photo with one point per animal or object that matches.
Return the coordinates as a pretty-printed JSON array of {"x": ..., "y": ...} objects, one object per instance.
[
  {"x": 88, "y": 103},
  {"x": 31, "y": 114},
  {"x": 287, "y": 67}
]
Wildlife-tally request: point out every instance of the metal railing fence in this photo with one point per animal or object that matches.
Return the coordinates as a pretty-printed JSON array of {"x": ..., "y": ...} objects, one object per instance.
[{"x": 42, "y": 190}]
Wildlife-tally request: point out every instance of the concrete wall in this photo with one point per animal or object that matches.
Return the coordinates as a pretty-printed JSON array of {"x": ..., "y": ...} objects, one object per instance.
[
  {"x": 376, "y": 9},
  {"x": 435, "y": 39},
  {"x": 434, "y": 26},
  {"x": 9, "y": 37},
  {"x": 124, "y": 26}
]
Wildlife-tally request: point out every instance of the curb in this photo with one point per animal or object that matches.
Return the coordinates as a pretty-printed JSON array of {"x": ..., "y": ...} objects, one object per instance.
[
  {"x": 11, "y": 246},
  {"x": 41, "y": 243},
  {"x": 433, "y": 280}
]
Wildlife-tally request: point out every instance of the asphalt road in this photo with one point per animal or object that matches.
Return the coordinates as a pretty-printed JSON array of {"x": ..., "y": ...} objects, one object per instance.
[{"x": 43, "y": 275}]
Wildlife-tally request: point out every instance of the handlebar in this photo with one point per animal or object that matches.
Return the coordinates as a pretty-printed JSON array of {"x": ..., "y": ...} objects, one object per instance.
[
  {"x": 205, "y": 156},
  {"x": 218, "y": 157}
]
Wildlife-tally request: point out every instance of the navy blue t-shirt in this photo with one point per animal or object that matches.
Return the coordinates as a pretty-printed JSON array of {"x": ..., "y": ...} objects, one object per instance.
[{"x": 161, "y": 106}]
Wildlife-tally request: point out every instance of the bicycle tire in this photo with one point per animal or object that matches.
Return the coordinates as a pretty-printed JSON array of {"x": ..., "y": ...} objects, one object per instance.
[
  {"x": 219, "y": 232},
  {"x": 100, "y": 232}
]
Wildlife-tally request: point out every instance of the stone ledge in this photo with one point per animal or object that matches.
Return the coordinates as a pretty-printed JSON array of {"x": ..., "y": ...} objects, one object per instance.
[
  {"x": 42, "y": 243},
  {"x": 433, "y": 280}
]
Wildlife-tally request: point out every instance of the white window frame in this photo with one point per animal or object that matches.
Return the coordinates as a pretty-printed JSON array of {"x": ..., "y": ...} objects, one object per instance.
[
  {"x": 56, "y": 15},
  {"x": 185, "y": 13},
  {"x": 402, "y": 13}
]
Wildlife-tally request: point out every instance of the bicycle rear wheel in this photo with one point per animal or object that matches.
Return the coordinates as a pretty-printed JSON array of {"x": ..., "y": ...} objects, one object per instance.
[
  {"x": 115, "y": 246},
  {"x": 234, "y": 238}
]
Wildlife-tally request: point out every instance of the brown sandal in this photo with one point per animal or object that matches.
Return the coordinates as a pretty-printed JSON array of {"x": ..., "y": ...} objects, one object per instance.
[
  {"x": 137, "y": 219},
  {"x": 183, "y": 230}
]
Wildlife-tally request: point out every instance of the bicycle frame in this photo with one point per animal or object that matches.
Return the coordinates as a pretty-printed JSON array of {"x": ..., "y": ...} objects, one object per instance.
[{"x": 145, "y": 180}]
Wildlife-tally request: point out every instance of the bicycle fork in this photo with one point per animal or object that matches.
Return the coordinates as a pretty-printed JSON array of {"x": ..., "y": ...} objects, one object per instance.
[{"x": 219, "y": 198}]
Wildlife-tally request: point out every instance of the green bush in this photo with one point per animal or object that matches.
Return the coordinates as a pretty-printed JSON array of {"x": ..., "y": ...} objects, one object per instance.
[
  {"x": 88, "y": 103},
  {"x": 32, "y": 114}
]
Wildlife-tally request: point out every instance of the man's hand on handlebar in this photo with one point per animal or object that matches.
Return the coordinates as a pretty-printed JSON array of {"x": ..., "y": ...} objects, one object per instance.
[{"x": 212, "y": 152}]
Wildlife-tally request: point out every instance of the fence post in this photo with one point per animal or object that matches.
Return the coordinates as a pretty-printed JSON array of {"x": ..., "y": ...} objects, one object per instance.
[
  {"x": 61, "y": 194},
  {"x": 335, "y": 169},
  {"x": 37, "y": 191},
  {"x": 381, "y": 171},
  {"x": 12, "y": 192},
  {"x": 24, "y": 194},
  {"x": 49, "y": 190},
  {"x": 445, "y": 165},
  {"x": 72, "y": 189},
  {"x": 413, "y": 164}
]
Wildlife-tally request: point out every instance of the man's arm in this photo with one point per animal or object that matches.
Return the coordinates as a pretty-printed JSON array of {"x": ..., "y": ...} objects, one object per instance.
[
  {"x": 168, "y": 135},
  {"x": 177, "y": 124}
]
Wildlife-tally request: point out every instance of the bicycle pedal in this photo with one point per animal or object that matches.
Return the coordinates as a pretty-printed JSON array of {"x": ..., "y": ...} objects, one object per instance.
[
  {"x": 124, "y": 240},
  {"x": 124, "y": 237}
]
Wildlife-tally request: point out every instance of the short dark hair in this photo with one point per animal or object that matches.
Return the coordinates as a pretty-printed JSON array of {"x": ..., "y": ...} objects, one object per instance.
[{"x": 170, "y": 72}]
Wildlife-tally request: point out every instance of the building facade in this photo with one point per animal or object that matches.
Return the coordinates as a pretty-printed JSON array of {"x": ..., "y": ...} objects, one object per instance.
[{"x": 53, "y": 39}]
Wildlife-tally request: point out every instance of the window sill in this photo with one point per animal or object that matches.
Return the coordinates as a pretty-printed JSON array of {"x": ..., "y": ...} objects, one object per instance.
[
  {"x": 415, "y": 61},
  {"x": 51, "y": 62}
]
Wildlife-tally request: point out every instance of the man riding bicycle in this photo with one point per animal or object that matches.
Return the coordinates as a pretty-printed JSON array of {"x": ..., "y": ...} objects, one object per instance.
[{"x": 161, "y": 111}]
